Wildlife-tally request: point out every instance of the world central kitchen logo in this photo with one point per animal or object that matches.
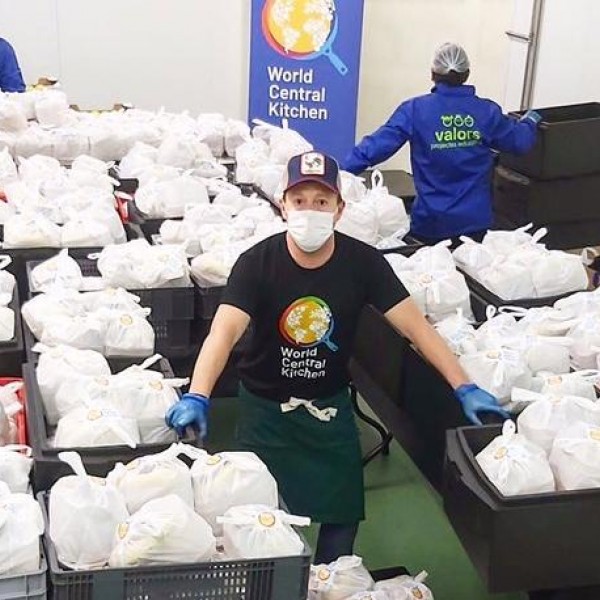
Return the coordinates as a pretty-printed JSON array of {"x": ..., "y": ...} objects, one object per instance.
[{"x": 459, "y": 131}]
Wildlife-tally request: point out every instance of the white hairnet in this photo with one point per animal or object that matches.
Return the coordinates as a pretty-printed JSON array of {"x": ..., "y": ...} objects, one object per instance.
[{"x": 450, "y": 57}]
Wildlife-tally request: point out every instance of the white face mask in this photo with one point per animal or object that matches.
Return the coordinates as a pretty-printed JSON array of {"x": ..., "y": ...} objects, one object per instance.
[{"x": 310, "y": 229}]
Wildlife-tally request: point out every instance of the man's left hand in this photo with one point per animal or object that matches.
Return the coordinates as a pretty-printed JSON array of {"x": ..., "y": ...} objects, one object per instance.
[{"x": 474, "y": 400}]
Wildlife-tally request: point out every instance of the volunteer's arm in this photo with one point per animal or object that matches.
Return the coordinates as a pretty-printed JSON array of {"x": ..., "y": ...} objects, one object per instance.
[
  {"x": 383, "y": 143},
  {"x": 508, "y": 134},
  {"x": 407, "y": 318},
  {"x": 11, "y": 79},
  {"x": 227, "y": 328}
]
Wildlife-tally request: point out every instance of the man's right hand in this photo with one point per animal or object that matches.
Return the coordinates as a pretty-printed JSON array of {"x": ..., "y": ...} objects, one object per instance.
[{"x": 190, "y": 411}]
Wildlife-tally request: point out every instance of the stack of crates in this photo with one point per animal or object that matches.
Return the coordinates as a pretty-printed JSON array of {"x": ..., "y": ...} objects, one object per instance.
[{"x": 557, "y": 184}]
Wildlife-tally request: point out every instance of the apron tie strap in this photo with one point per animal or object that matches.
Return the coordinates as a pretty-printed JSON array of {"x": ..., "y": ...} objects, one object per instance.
[{"x": 322, "y": 414}]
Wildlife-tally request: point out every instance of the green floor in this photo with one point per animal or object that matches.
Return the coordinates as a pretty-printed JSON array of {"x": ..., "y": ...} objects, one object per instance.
[{"x": 405, "y": 524}]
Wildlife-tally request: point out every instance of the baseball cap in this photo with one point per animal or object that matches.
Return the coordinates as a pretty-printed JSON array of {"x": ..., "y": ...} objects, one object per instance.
[{"x": 312, "y": 166}]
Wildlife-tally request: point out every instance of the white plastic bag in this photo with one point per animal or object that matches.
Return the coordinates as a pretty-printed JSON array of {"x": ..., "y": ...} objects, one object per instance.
[
  {"x": 128, "y": 333},
  {"x": 7, "y": 324},
  {"x": 229, "y": 479},
  {"x": 59, "y": 271},
  {"x": 558, "y": 273},
  {"x": 60, "y": 366},
  {"x": 515, "y": 465},
  {"x": 340, "y": 579},
  {"x": 12, "y": 116},
  {"x": 21, "y": 525},
  {"x": 472, "y": 257},
  {"x": 575, "y": 457},
  {"x": 86, "y": 427},
  {"x": 165, "y": 531},
  {"x": 405, "y": 587},
  {"x": 236, "y": 133},
  {"x": 52, "y": 109},
  {"x": 579, "y": 383},
  {"x": 390, "y": 210},
  {"x": 257, "y": 532},
  {"x": 497, "y": 371},
  {"x": 153, "y": 476},
  {"x": 353, "y": 187},
  {"x": 545, "y": 415},
  {"x": 146, "y": 395},
  {"x": 87, "y": 332},
  {"x": 8, "y": 169},
  {"x": 29, "y": 230},
  {"x": 459, "y": 333},
  {"x": 15, "y": 467},
  {"x": 84, "y": 513},
  {"x": 359, "y": 221}
]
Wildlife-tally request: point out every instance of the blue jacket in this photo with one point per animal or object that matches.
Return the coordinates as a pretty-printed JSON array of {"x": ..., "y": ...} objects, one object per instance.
[
  {"x": 11, "y": 79},
  {"x": 451, "y": 133}
]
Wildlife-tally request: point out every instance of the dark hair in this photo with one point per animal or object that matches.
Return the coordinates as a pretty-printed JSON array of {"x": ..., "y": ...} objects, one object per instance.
[{"x": 453, "y": 78}]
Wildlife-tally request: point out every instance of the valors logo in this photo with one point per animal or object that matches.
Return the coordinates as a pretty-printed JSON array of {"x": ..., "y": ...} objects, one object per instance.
[{"x": 457, "y": 131}]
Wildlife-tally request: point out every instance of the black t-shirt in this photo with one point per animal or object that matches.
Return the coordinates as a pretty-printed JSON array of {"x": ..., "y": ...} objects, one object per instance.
[{"x": 304, "y": 320}]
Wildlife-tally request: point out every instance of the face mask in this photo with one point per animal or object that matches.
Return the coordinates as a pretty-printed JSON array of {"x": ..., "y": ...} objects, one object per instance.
[{"x": 310, "y": 229}]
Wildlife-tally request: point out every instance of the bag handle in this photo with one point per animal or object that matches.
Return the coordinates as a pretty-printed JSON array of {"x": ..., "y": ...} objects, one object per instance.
[
  {"x": 5, "y": 260},
  {"x": 588, "y": 255},
  {"x": 73, "y": 459},
  {"x": 539, "y": 234},
  {"x": 377, "y": 180}
]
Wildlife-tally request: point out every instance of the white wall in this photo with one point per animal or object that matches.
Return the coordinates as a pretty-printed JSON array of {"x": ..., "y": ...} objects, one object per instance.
[
  {"x": 194, "y": 53},
  {"x": 567, "y": 69}
]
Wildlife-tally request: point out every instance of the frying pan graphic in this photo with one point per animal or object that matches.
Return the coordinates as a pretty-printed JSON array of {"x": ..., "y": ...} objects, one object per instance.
[
  {"x": 304, "y": 53},
  {"x": 308, "y": 322}
]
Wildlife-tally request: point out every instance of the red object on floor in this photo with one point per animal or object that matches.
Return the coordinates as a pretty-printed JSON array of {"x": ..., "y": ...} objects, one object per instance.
[{"x": 21, "y": 418}]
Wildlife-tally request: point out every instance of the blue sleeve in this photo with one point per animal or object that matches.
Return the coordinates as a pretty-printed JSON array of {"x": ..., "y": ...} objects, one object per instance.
[
  {"x": 11, "y": 79},
  {"x": 507, "y": 134},
  {"x": 383, "y": 143}
]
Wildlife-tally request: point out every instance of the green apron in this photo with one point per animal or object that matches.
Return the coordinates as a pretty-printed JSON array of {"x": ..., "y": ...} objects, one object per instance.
[{"x": 317, "y": 464}]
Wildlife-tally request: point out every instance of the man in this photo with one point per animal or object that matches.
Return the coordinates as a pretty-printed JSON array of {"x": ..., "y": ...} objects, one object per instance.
[
  {"x": 11, "y": 79},
  {"x": 304, "y": 291},
  {"x": 452, "y": 133}
]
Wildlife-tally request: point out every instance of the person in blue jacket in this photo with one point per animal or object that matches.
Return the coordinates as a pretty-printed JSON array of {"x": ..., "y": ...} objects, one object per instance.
[
  {"x": 11, "y": 79},
  {"x": 452, "y": 133}
]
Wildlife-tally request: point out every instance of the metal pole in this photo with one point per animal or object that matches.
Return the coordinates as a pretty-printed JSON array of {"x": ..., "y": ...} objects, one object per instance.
[{"x": 532, "y": 54}]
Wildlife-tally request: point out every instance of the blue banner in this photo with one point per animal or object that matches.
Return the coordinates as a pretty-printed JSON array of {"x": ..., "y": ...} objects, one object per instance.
[{"x": 304, "y": 67}]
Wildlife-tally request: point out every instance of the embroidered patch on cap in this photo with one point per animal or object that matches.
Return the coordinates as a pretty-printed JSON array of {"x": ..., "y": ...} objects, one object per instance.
[{"x": 312, "y": 163}]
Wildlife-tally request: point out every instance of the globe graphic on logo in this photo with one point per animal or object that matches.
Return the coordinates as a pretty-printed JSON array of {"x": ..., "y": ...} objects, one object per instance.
[
  {"x": 297, "y": 27},
  {"x": 307, "y": 322}
]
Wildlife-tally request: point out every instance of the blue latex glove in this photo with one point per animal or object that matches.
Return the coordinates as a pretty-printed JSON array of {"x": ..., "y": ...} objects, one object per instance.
[
  {"x": 533, "y": 115},
  {"x": 192, "y": 411},
  {"x": 475, "y": 400}
]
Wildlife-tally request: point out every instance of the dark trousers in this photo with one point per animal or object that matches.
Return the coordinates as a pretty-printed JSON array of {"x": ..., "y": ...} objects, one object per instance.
[{"x": 334, "y": 541}]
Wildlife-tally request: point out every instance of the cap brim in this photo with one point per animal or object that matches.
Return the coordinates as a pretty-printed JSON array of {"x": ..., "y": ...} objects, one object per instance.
[{"x": 309, "y": 179}]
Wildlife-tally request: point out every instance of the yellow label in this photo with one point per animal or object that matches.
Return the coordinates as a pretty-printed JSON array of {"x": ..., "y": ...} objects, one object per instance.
[
  {"x": 122, "y": 530},
  {"x": 493, "y": 354},
  {"x": 156, "y": 385},
  {"x": 500, "y": 453},
  {"x": 94, "y": 414},
  {"x": 133, "y": 465},
  {"x": 595, "y": 435},
  {"x": 417, "y": 593},
  {"x": 266, "y": 519},
  {"x": 101, "y": 380},
  {"x": 555, "y": 380},
  {"x": 323, "y": 575},
  {"x": 126, "y": 320},
  {"x": 213, "y": 460}
]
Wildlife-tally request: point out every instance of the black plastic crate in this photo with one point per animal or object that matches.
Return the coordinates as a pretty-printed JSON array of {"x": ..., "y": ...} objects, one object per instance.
[
  {"x": 98, "y": 460},
  {"x": 556, "y": 204},
  {"x": 566, "y": 146},
  {"x": 283, "y": 578},
  {"x": 410, "y": 247},
  {"x": 484, "y": 297},
  {"x": 533, "y": 542},
  {"x": 12, "y": 352},
  {"x": 207, "y": 301}
]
